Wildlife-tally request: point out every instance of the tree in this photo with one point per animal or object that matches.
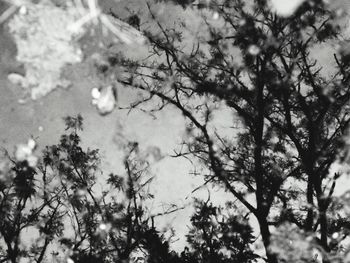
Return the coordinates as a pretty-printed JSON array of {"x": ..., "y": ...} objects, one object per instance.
[
  {"x": 57, "y": 202},
  {"x": 70, "y": 220},
  {"x": 290, "y": 117},
  {"x": 216, "y": 237}
]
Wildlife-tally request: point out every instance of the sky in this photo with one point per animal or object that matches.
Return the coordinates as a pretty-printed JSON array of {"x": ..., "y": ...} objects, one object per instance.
[{"x": 42, "y": 119}]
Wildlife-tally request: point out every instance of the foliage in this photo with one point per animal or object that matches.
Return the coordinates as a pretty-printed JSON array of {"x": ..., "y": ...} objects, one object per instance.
[
  {"x": 289, "y": 116},
  {"x": 71, "y": 221},
  {"x": 215, "y": 237},
  {"x": 57, "y": 202}
]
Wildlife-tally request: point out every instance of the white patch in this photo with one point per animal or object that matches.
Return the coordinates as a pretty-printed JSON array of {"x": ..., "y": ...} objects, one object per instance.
[
  {"x": 335, "y": 235},
  {"x": 253, "y": 50},
  {"x": 31, "y": 143},
  {"x": 216, "y": 16},
  {"x": 285, "y": 8},
  {"x": 106, "y": 102},
  {"x": 16, "y": 79},
  {"x": 103, "y": 226},
  {"x": 32, "y": 160},
  {"x": 95, "y": 93},
  {"x": 21, "y": 101},
  {"x": 23, "y": 10},
  {"x": 22, "y": 152}
]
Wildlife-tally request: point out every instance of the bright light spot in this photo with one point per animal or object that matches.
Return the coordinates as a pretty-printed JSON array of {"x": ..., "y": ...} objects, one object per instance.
[
  {"x": 95, "y": 93},
  {"x": 253, "y": 50},
  {"x": 31, "y": 143},
  {"x": 23, "y": 10},
  {"x": 103, "y": 226},
  {"x": 285, "y": 8},
  {"x": 335, "y": 235},
  {"x": 22, "y": 152},
  {"x": 216, "y": 16},
  {"x": 40, "y": 128},
  {"x": 69, "y": 260},
  {"x": 106, "y": 102}
]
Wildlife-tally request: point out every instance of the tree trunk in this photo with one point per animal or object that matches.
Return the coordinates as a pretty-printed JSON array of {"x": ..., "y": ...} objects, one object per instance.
[
  {"x": 310, "y": 200},
  {"x": 266, "y": 237}
]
